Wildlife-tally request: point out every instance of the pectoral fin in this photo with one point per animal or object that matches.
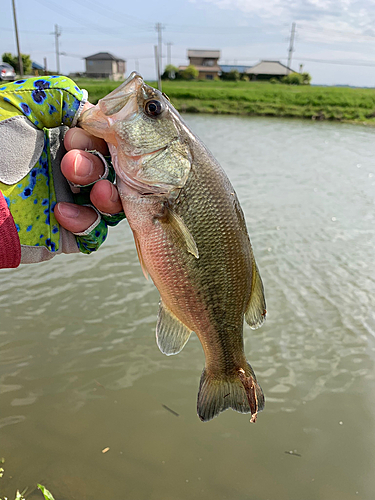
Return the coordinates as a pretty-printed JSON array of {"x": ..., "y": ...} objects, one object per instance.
[
  {"x": 180, "y": 231},
  {"x": 255, "y": 313},
  {"x": 140, "y": 256},
  {"x": 171, "y": 333}
]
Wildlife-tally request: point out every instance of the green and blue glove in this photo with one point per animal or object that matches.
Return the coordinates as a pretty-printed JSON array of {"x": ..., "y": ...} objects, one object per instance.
[{"x": 34, "y": 116}]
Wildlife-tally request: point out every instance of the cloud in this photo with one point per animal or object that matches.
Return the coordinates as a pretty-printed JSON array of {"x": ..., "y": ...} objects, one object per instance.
[{"x": 355, "y": 15}]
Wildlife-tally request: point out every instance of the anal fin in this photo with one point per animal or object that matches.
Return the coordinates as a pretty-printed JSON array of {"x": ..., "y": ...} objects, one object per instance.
[{"x": 171, "y": 333}]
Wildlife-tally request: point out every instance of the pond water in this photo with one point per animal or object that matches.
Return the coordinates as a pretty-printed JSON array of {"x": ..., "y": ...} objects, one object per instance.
[{"x": 80, "y": 370}]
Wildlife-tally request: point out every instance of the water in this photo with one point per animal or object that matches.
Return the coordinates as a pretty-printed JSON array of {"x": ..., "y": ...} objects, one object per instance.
[{"x": 80, "y": 371}]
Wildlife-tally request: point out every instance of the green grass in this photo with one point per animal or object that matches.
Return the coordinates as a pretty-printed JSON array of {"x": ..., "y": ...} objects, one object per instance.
[
  {"x": 354, "y": 105},
  {"x": 20, "y": 496}
]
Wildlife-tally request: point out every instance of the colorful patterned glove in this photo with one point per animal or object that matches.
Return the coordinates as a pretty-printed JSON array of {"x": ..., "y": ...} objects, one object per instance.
[{"x": 34, "y": 116}]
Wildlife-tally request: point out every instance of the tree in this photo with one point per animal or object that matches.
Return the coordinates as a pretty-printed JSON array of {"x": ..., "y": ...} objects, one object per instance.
[
  {"x": 13, "y": 61},
  {"x": 170, "y": 72},
  {"x": 306, "y": 78},
  {"x": 233, "y": 75},
  {"x": 190, "y": 73},
  {"x": 297, "y": 79}
]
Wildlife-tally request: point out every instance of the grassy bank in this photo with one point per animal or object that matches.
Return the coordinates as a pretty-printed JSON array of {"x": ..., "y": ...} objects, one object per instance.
[{"x": 262, "y": 99}]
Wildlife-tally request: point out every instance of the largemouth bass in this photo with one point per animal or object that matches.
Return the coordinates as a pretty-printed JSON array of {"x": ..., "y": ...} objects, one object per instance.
[{"x": 191, "y": 238}]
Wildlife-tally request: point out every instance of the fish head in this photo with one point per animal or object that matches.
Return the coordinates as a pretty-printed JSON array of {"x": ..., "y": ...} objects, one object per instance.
[{"x": 145, "y": 135}]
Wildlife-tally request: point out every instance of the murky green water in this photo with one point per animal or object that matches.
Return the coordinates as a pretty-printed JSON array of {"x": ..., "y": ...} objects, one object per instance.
[{"x": 80, "y": 370}]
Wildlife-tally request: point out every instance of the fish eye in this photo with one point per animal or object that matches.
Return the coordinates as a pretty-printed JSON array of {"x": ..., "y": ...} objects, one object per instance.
[{"x": 153, "y": 107}]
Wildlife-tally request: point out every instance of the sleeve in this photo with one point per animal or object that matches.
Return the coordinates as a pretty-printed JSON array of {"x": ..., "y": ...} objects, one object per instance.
[
  {"x": 47, "y": 102},
  {"x": 10, "y": 247}
]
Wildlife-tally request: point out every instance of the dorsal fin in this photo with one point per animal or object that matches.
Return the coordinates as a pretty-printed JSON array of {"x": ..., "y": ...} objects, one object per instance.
[{"x": 171, "y": 333}]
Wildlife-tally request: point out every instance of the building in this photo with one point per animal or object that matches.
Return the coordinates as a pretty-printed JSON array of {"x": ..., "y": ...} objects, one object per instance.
[
  {"x": 265, "y": 70},
  {"x": 227, "y": 68},
  {"x": 37, "y": 69},
  {"x": 105, "y": 65},
  {"x": 206, "y": 62}
]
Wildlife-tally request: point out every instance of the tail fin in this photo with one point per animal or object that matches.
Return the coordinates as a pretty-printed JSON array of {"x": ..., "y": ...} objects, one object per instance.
[{"x": 240, "y": 391}]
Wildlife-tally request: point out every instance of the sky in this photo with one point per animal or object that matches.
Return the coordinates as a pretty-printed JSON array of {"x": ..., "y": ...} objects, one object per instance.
[{"x": 335, "y": 39}]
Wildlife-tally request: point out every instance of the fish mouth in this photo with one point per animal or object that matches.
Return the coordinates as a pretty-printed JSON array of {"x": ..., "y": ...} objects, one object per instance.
[{"x": 118, "y": 100}]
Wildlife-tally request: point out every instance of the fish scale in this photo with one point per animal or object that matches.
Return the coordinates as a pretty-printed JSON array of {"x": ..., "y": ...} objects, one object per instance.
[{"x": 191, "y": 238}]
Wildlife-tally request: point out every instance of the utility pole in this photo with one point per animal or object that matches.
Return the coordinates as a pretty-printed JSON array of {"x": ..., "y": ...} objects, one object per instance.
[
  {"x": 158, "y": 76},
  {"x": 291, "y": 46},
  {"x": 20, "y": 63},
  {"x": 169, "y": 56},
  {"x": 57, "y": 34},
  {"x": 159, "y": 29},
  {"x": 137, "y": 65}
]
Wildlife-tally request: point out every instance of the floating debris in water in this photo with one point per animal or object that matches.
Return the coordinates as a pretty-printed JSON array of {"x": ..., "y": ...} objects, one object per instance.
[
  {"x": 294, "y": 453},
  {"x": 105, "y": 450},
  {"x": 171, "y": 411}
]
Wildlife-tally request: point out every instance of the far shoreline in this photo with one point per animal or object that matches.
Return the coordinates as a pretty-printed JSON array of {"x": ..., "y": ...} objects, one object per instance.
[{"x": 353, "y": 105}]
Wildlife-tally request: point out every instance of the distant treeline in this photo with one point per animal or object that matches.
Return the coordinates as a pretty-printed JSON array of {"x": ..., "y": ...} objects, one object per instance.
[{"x": 191, "y": 73}]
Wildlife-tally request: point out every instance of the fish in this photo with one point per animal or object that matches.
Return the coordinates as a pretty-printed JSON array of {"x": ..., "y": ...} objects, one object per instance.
[{"x": 191, "y": 238}]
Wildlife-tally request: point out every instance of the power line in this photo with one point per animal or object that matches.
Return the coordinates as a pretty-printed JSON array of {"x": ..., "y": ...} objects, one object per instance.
[
  {"x": 331, "y": 31},
  {"x": 116, "y": 15},
  {"x": 67, "y": 14},
  {"x": 337, "y": 61}
]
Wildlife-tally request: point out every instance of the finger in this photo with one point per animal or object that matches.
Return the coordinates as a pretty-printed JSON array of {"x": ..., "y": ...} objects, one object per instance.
[
  {"x": 106, "y": 198},
  {"x": 73, "y": 217},
  {"x": 81, "y": 167},
  {"x": 77, "y": 138}
]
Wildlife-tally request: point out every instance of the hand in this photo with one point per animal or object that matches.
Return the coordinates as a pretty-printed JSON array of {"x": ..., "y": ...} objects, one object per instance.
[
  {"x": 82, "y": 168},
  {"x": 44, "y": 216}
]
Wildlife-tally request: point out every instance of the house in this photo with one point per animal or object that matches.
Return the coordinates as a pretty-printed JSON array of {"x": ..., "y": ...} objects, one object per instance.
[
  {"x": 206, "y": 62},
  {"x": 37, "y": 69},
  {"x": 105, "y": 65},
  {"x": 227, "y": 68},
  {"x": 265, "y": 70}
]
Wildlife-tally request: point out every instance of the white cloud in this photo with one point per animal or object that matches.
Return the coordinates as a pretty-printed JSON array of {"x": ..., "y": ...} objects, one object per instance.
[{"x": 351, "y": 14}]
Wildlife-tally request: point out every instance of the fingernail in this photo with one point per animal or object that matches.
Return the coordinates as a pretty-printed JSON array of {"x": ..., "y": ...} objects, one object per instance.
[
  {"x": 73, "y": 139},
  {"x": 68, "y": 210},
  {"x": 82, "y": 166}
]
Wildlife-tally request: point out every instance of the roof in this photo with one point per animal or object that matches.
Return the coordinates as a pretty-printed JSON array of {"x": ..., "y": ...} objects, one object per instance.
[
  {"x": 35, "y": 65},
  {"x": 206, "y": 69},
  {"x": 269, "y": 68},
  {"x": 103, "y": 56},
  {"x": 214, "y": 54},
  {"x": 225, "y": 68}
]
